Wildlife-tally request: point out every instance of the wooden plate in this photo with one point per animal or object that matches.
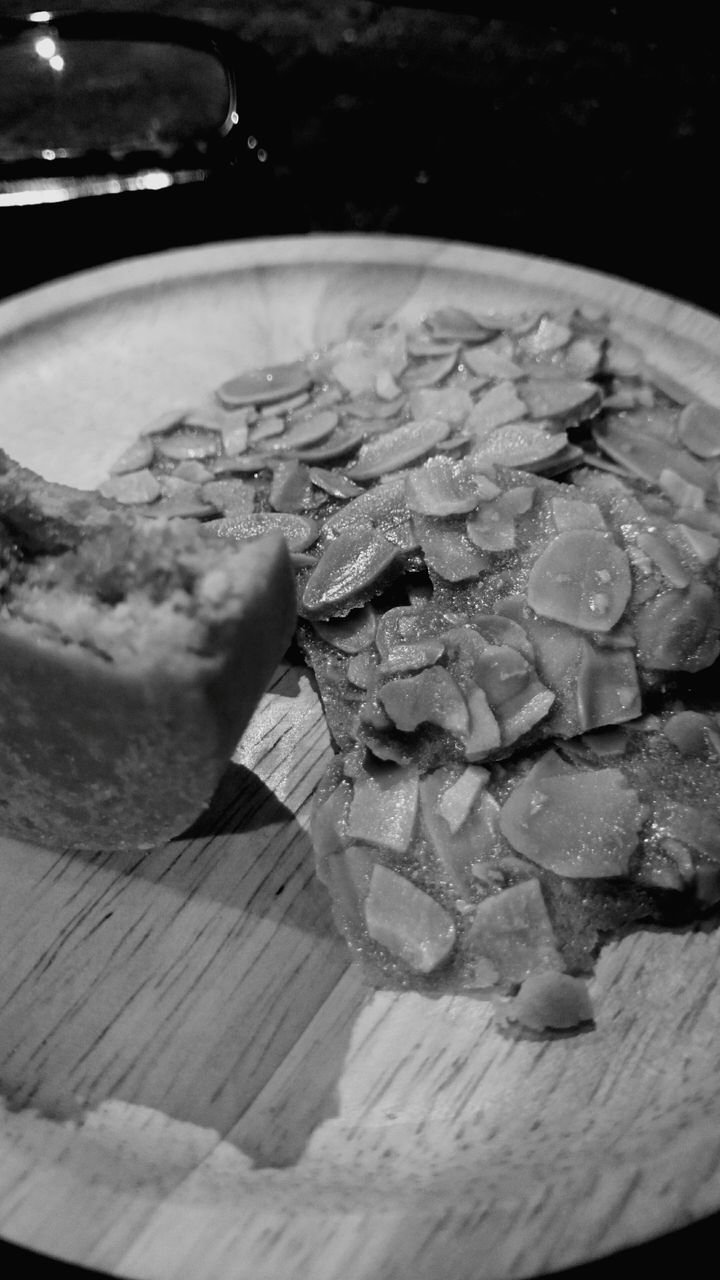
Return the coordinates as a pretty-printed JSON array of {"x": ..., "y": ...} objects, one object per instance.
[{"x": 196, "y": 1084}]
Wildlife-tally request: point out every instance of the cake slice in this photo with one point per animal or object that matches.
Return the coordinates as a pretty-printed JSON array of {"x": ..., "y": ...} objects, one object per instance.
[{"x": 132, "y": 655}]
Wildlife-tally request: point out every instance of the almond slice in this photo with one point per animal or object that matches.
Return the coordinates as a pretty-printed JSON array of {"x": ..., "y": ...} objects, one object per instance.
[
  {"x": 574, "y": 822},
  {"x": 581, "y": 578},
  {"x": 398, "y": 448},
  {"x": 265, "y": 386},
  {"x": 408, "y": 922}
]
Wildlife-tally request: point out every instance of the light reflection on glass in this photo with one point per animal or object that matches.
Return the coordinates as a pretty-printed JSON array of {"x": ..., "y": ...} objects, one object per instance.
[
  {"x": 57, "y": 62},
  {"x": 45, "y": 47},
  {"x": 40, "y": 15},
  {"x": 52, "y": 195},
  {"x": 53, "y": 191},
  {"x": 152, "y": 180}
]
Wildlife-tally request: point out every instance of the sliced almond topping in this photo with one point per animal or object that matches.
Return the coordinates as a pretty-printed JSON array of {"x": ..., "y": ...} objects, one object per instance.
[
  {"x": 245, "y": 464},
  {"x": 383, "y": 810},
  {"x": 677, "y": 630},
  {"x": 699, "y": 429},
  {"x": 501, "y": 672},
  {"x": 385, "y": 386},
  {"x": 647, "y": 455},
  {"x": 574, "y": 822},
  {"x": 456, "y": 324},
  {"x": 334, "y": 483},
  {"x": 551, "y": 1001},
  {"x": 519, "y": 444},
  {"x": 500, "y": 405},
  {"x": 233, "y": 497},
  {"x": 682, "y": 491},
  {"x": 189, "y": 444},
  {"x": 309, "y": 430},
  {"x": 408, "y": 921},
  {"x": 573, "y": 513},
  {"x": 584, "y": 356},
  {"x": 194, "y": 471},
  {"x": 492, "y": 527},
  {"x": 495, "y": 629},
  {"x": 549, "y": 335},
  {"x": 448, "y": 551},
  {"x": 491, "y": 365},
  {"x": 398, "y": 448},
  {"x": 370, "y": 407},
  {"x": 442, "y": 488},
  {"x": 383, "y": 508},
  {"x": 182, "y": 506},
  {"x": 624, "y": 359},
  {"x": 452, "y": 404},
  {"x": 401, "y": 625},
  {"x": 475, "y": 836},
  {"x": 564, "y": 402},
  {"x": 692, "y": 827},
  {"x": 291, "y": 489},
  {"x": 483, "y": 735},
  {"x": 703, "y": 546},
  {"x": 292, "y": 404},
  {"x": 351, "y": 634},
  {"x": 432, "y": 697},
  {"x": 521, "y": 713},
  {"x": 413, "y": 656},
  {"x": 428, "y": 373},
  {"x": 607, "y": 689},
  {"x": 265, "y": 386},
  {"x": 349, "y": 565},
  {"x": 339, "y": 444},
  {"x": 690, "y": 732},
  {"x": 234, "y": 437},
  {"x": 455, "y": 804},
  {"x": 361, "y": 669},
  {"x": 298, "y": 531},
  {"x": 265, "y": 429},
  {"x": 513, "y": 930},
  {"x": 420, "y": 343},
  {"x": 582, "y": 578},
  {"x": 665, "y": 557}
]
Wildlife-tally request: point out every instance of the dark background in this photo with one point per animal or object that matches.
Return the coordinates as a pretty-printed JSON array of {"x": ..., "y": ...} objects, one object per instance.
[{"x": 588, "y": 134}]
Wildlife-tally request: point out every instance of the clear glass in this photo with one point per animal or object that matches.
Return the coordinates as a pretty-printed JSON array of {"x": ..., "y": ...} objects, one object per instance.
[{"x": 71, "y": 97}]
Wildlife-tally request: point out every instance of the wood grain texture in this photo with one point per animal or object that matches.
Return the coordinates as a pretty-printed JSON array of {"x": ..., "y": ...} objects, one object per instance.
[{"x": 196, "y": 1083}]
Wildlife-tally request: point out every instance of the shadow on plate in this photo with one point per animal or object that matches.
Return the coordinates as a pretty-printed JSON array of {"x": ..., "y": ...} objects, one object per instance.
[{"x": 205, "y": 980}]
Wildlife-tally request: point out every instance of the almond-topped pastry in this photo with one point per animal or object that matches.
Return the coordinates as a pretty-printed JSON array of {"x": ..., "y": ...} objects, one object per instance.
[
  {"x": 132, "y": 655},
  {"x": 471, "y": 877},
  {"x": 506, "y": 538}
]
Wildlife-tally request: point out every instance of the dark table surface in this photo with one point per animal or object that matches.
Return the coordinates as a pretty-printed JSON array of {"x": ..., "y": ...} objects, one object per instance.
[{"x": 589, "y": 138}]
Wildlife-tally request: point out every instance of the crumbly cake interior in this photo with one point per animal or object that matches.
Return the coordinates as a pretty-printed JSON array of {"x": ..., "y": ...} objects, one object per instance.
[
  {"x": 133, "y": 652},
  {"x": 506, "y": 536},
  {"x": 124, "y": 587}
]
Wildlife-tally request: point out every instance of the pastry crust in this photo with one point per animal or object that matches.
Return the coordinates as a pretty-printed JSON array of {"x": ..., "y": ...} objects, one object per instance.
[{"x": 118, "y": 716}]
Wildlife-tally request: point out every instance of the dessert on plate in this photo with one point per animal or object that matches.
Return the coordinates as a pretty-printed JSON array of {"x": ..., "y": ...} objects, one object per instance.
[{"x": 505, "y": 534}]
